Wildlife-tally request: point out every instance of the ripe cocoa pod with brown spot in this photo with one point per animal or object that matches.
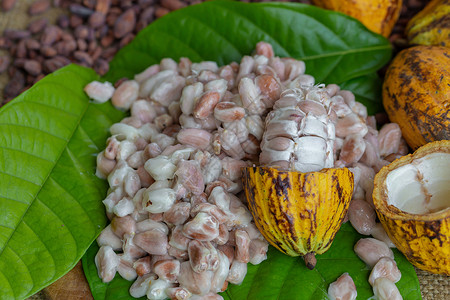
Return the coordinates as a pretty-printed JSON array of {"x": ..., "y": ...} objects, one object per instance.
[
  {"x": 415, "y": 94},
  {"x": 298, "y": 213},
  {"x": 431, "y": 25},
  {"x": 379, "y": 16}
]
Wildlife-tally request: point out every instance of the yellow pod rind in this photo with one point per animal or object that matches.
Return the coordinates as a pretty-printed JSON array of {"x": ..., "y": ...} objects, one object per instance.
[
  {"x": 379, "y": 16},
  {"x": 424, "y": 239},
  {"x": 298, "y": 213},
  {"x": 415, "y": 94},
  {"x": 431, "y": 26}
]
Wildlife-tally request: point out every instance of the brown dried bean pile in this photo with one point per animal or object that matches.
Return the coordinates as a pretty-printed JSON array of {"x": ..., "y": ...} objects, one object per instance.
[{"x": 89, "y": 34}]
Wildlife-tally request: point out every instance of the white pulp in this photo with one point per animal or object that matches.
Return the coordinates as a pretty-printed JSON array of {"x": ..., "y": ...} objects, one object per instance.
[{"x": 422, "y": 186}]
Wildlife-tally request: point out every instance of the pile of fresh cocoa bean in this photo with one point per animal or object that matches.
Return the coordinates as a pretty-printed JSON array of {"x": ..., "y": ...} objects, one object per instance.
[{"x": 180, "y": 225}]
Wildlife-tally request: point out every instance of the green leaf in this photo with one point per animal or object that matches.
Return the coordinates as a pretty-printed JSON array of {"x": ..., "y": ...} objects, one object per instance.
[
  {"x": 280, "y": 276},
  {"x": 49, "y": 196},
  {"x": 335, "y": 47}
]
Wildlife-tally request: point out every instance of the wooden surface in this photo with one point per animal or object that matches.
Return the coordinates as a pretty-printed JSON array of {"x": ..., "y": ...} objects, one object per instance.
[{"x": 73, "y": 286}]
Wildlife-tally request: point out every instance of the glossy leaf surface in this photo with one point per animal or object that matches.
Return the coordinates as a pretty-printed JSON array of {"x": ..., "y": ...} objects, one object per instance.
[
  {"x": 334, "y": 47},
  {"x": 49, "y": 195}
]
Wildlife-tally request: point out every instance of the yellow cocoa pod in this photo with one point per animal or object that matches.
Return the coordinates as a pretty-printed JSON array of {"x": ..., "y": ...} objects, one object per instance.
[
  {"x": 298, "y": 213},
  {"x": 412, "y": 200},
  {"x": 416, "y": 93},
  {"x": 431, "y": 26},
  {"x": 379, "y": 16}
]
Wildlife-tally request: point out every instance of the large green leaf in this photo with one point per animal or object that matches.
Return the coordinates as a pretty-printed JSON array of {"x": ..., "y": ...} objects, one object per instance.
[
  {"x": 282, "y": 277},
  {"x": 334, "y": 46},
  {"x": 49, "y": 196}
]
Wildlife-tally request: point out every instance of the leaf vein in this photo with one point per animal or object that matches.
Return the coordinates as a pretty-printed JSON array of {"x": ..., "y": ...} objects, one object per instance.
[
  {"x": 62, "y": 221},
  {"x": 6, "y": 226},
  {"x": 20, "y": 258},
  {"x": 12, "y": 199},
  {"x": 46, "y": 105},
  {"x": 23, "y": 151},
  {"x": 333, "y": 68},
  {"x": 73, "y": 197},
  {"x": 346, "y": 52},
  {"x": 15, "y": 176},
  {"x": 37, "y": 129},
  {"x": 89, "y": 137},
  {"x": 8, "y": 281}
]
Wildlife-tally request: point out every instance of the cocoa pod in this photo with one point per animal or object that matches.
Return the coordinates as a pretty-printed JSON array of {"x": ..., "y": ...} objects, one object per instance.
[
  {"x": 431, "y": 25},
  {"x": 379, "y": 16},
  {"x": 294, "y": 232}
]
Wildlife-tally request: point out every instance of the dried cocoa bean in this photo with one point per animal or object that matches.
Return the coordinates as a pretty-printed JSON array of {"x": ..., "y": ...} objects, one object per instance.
[
  {"x": 21, "y": 50},
  {"x": 95, "y": 54},
  {"x": 38, "y": 7},
  {"x": 102, "y": 6},
  {"x": 172, "y": 4},
  {"x": 80, "y": 10},
  {"x": 146, "y": 16},
  {"x": 124, "y": 23},
  {"x": 107, "y": 40},
  {"x": 83, "y": 58},
  {"x": 50, "y": 35},
  {"x": 32, "y": 44},
  {"x": 66, "y": 47},
  {"x": 16, "y": 34},
  {"x": 15, "y": 85},
  {"x": 75, "y": 21},
  {"x": 92, "y": 46},
  {"x": 48, "y": 51},
  {"x": 38, "y": 25},
  {"x": 81, "y": 32},
  {"x": 33, "y": 67},
  {"x": 52, "y": 64},
  {"x": 96, "y": 20}
]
